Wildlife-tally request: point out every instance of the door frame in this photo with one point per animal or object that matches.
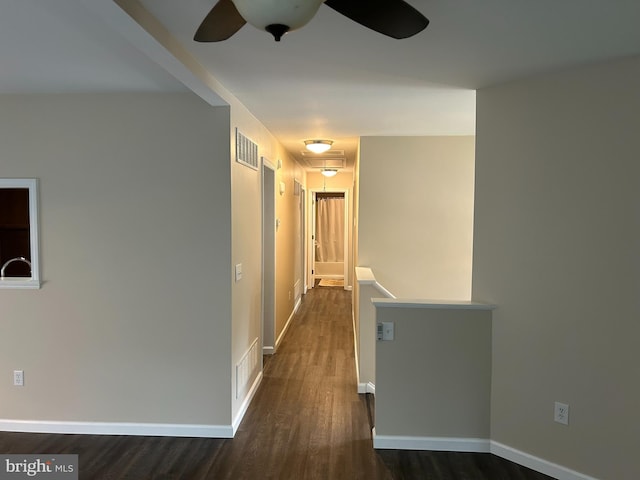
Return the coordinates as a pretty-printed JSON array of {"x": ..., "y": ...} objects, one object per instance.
[
  {"x": 311, "y": 241},
  {"x": 268, "y": 316},
  {"x": 303, "y": 240}
]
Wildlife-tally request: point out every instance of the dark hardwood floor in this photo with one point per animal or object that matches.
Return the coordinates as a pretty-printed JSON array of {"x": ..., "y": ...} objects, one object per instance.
[{"x": 305, "y": 422}]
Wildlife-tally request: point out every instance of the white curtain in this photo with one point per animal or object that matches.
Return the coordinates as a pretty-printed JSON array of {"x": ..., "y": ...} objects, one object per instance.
[{"x": 330, "y": 230}]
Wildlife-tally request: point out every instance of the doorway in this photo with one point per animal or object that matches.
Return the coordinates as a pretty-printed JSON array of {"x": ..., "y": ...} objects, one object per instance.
[{"x": 329, "y": 247}]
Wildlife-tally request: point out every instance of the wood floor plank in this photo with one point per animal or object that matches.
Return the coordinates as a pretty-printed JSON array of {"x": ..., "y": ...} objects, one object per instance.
[{"x": 305, "y": 422}]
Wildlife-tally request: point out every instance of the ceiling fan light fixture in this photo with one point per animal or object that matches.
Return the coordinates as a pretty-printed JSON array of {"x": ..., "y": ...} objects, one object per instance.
[
  {"x": 329, "y": 172},
  {"x": 277, "y": 30},
  {"x": 284, "y": 15},
  {"x": 318, "y": 146},
  {"x": 393, "y": 18}
]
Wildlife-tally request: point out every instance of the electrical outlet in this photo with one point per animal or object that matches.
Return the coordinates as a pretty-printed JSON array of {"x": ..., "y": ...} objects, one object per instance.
[
  {"x": 561, "y": 413},
  {"x": 18, "y": 378}
]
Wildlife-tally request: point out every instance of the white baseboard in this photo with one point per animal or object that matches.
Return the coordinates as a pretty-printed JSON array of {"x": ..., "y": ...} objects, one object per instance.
[
  {"x": 355, "y": 349},
  {"x": 113, "y": 428},
  {"x": 477, "y": 445},
  {"x": 538, "y": 464},
  {"x": 139, "y": 429},
  {"x": 245, "y": 404},
  {"x": 297, "y": 306},
  {"x": 366, "y": 388},
  {"x": 286, "y": 325},
  {"x": 447, "y": 444}
]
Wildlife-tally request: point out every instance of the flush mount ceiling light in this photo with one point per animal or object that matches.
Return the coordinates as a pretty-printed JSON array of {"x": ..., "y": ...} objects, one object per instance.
[
  {"x": 318, "y": 146},
  {"x": 329, "y": 172}
]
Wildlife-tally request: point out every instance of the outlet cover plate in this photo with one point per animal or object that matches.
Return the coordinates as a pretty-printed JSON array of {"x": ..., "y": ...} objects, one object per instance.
[
  {"x": 18, "y": 378},
  {"x": 387, "y": 331},
  {"x": 561, "y": 413}
]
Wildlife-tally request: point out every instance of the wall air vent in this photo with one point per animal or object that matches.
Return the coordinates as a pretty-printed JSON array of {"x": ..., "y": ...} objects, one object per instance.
[
  {"x": 324, "y": 162},
  {"x": 246, "y": 151}
]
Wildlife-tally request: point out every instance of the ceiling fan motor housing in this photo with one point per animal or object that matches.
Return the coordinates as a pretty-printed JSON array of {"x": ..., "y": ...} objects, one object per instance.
[
  {"x": 277, "y": 30},
  {"x": 277, "y": 16}
]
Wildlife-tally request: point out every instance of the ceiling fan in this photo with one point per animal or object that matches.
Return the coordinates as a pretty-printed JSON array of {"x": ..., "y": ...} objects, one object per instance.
[{"x": 393, "y": 18}]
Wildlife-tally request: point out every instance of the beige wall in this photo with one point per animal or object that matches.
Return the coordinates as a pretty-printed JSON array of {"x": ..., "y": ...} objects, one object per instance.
[
  {"x": 246, "y": 202},
  {"x": 356, "y": 213},
  {"x": 144, "y": 216},
  {"x": 288, "y": 270},
  {"x": 557, "y": 233},
  {"x": 416, "y": 214},
  {"x": 247, "y": 236},
  {"x": 132, "y": 323}
]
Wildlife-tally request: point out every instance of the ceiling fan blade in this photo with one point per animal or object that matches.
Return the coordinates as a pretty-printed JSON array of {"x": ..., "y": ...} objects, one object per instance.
[
  {"x": 220, "y": 23},
  {"x": 393, "y": 18}
]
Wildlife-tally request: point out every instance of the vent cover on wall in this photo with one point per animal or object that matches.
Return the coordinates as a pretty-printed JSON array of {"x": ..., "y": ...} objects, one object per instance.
[
  {"x": 246, "y": 151},
  {"x": 324, "y": 162}
]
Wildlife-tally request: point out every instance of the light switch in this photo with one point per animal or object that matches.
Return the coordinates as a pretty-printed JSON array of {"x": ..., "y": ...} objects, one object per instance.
[
  {"x": 385, "y": 331},
  {"x": 238, "y": 272}
]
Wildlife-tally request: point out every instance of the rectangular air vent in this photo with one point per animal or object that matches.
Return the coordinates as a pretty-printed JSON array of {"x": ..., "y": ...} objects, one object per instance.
[
  {"x": 324, "y": 162},
  {"x": 246, "y": 151},
  {"x": 246, "y": 369}
]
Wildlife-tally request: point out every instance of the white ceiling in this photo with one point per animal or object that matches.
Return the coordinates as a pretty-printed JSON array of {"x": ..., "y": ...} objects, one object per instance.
[{"x": 333, "y": 78}]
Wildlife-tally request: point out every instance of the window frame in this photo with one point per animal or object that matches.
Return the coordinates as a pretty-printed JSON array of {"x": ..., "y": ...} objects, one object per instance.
[{"x": 32, "y": 282}]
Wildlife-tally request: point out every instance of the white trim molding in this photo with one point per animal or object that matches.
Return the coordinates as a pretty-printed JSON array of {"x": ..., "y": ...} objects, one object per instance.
[
  {"x": 109, "y": 428},
  {"x": 134, "y": 429},
  {"x": 434, "y": 304},
  {"x": 245, "y": 404},
  {"x": 477, "y": 445},
  {"x": 538, "y": 464},
  {"x": 367, "y": 388},
  {"x": 446, "y": 444},
  {"x": 286, "y": 325}
]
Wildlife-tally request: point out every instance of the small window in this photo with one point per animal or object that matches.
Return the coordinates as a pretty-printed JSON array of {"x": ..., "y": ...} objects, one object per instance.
[{"x": 19, "y": 266}]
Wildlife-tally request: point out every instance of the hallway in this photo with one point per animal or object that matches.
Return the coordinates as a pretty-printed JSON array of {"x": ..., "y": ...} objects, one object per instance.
[{"x": 305, "y": 422}]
